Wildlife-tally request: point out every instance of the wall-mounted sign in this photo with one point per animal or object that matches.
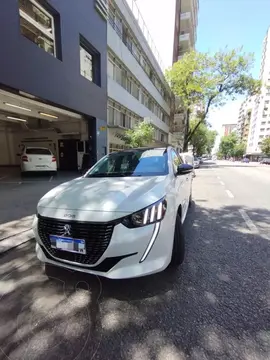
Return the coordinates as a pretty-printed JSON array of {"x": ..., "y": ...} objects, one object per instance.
[{"x": 102, "y": 128}]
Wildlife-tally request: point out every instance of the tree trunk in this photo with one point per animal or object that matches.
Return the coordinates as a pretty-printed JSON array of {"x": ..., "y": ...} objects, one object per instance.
[{"x": 186, "y": 139}]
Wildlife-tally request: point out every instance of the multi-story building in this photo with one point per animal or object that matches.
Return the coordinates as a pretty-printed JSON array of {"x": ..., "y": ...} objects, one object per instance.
[
  {"x": 185, "y": 30},
  {"x": 227, "y": 129},
  {"x": 244, "y": 118},
  {"x": 260, "y": 118},
  {"x": 185, "y": 35},
  {"x": 137, "y": 88},
  {"x": 53, "y": 79}
]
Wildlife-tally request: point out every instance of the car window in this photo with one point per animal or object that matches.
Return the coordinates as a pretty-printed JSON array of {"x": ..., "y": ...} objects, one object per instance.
[
  {"x": 176, "y": 161},
  {"x": 37, "y": 151},
  {"x": 137, "y": 162}
]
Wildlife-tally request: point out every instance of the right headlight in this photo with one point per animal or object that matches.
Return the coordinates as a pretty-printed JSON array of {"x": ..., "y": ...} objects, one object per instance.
[{"x": 149, "y": 215}]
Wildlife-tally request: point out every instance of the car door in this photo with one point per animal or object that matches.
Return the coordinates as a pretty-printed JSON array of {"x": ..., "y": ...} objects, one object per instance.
[{"x": 181, "y": 183}]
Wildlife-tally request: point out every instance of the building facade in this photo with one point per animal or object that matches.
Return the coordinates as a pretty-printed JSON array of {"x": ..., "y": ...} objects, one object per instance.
[
  {"x": 244, "y": 118},
  {"x": 185, "y": 29},
  {"x": 137, "y": 89},
  {"x": 227, "y": 129},
  {"x": 185, "y": 35},
  {"x": 260, "y": 118},
  {"x": 53, "y": 79}
]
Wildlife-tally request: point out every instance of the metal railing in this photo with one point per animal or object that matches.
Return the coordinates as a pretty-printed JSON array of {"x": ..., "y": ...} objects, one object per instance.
[{"x": 138, "y": 16}]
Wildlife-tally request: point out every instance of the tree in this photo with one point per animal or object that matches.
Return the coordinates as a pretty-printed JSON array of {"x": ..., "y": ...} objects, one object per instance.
[
  {"x": 203, "y": 139},
  {"x": 141, "y": 135},
  {"x": 211, "y": 80},
  {"x": 227, "y": 145},
  {"x": 211, "y": 139},
  {"x": 265, "y": 146},
  {"x": 199, "y": 138},
  {"x": 240, "y": 149}
]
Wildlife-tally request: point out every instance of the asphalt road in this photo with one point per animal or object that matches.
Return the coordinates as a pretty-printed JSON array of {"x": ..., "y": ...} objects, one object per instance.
[{"x": 216, "y": 306}]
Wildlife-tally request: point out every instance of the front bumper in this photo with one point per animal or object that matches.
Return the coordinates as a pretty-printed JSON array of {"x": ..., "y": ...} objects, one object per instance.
[{"x": 131, "y": 252}]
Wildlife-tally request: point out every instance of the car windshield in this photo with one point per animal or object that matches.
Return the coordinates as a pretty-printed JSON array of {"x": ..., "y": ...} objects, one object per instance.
[
  {"x": 38, "y": 151},
  {"x": 137, "y": 162}
]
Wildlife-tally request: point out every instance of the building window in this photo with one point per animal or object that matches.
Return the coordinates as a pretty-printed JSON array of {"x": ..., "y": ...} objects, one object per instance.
[
  {"x": 110, "y": 68},
  {"x": 120, "y": 116},
  {"x": 37, "y": 25},
  {"x": 89, "y": 61},
  {"x": 86, "y": 64},
  {"x": 135, "y": 90},
  {"x": 124, "y": 32}
]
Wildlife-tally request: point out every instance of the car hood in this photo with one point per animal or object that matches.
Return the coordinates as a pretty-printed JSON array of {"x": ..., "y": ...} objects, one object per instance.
[{"x": 101, "y": 195}]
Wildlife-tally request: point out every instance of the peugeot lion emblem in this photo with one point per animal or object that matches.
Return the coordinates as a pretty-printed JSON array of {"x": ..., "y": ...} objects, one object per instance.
[{"x": 67, "y": 230}]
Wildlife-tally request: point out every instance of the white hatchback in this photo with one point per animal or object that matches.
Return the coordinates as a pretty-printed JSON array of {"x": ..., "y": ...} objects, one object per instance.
[
  {"x": 38, "y": 159},
  {"x": 122, "y": 219}
]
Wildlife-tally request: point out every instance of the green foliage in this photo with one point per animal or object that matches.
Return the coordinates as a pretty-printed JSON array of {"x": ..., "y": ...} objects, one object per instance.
[
  {"x": 141, "y": 135},
  {"x": 265, "y": 146},
  {"x": 211, "y": 80},
  {"x": 240, "y": 149},
  {"x": 229, "y": 146},
  {"x": 211, "y": 139},
  {"x": 203, "y": 139}
]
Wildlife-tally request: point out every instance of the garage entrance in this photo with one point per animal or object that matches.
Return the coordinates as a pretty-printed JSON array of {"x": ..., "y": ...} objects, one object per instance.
[{"x": 25, "y": 122}]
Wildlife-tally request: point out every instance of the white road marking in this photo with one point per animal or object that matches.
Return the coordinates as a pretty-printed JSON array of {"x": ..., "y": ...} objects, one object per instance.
[
  {"x": 230, "y": 194},
  {"x": 218, "y": 177},
  {"x": 3, "y": 177},
  {"x": 222, "y": 183},
  {"x": 250, "y": 224},
  {"x": 51, "y": 178}
]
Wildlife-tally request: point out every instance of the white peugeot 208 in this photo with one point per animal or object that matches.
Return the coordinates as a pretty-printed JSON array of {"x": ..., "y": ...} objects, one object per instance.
[{"x": 122, "y": 219}]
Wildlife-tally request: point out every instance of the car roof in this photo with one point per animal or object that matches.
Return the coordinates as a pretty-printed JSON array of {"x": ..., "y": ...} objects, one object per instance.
[{"x": 142, "y": 148}]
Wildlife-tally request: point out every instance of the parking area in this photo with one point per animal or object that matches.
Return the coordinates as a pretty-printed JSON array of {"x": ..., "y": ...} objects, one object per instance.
[{"x": 19, "y": 197}]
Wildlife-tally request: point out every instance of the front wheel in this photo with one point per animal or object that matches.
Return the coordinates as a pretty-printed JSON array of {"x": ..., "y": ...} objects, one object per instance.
[{"x": 178, "y": 252}]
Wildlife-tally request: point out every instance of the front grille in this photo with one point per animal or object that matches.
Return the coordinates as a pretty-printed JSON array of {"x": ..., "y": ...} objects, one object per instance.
[{"x": 97, "y": 237}]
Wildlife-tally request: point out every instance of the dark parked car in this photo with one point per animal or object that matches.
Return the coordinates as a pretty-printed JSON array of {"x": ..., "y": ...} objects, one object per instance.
[{"x": 265, "y": 161}]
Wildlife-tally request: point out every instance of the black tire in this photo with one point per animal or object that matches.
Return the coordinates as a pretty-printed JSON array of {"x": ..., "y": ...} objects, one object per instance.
[
  {"x": 178, "y": 252},
  {"x": 48, "y": 269}
]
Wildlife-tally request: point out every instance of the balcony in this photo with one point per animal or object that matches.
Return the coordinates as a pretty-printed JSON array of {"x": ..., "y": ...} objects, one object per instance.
[
  {"x": 185, "y": 41},
  {"x": 184, "y": 37},
  {"x": 186, "y": 16}
]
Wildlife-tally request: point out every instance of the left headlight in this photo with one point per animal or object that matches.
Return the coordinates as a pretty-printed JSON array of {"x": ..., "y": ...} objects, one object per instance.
[{"x": 146, "y": 216}]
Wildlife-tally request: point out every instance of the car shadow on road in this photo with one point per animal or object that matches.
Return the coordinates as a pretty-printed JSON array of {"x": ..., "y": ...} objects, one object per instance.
[{"x": 216, "y": 306}]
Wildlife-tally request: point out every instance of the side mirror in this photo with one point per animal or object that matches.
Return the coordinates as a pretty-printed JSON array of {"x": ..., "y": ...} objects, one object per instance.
[{"x": 184, "y": 169}]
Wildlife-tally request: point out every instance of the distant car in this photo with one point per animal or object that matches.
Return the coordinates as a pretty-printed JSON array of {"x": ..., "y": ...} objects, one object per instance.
[
  {"x": 38, "y": 159},
  {"x": 245, "y": 160},
  {"x": 265, "y": 161},
  {"x": 196, "y": 163}
]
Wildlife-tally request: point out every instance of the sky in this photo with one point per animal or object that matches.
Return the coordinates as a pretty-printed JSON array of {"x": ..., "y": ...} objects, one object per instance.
[{"x": 221, "y": 23}]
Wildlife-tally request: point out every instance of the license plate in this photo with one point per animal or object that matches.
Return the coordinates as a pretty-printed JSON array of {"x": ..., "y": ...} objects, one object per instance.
[
  {"x": 68, "y": 244},
  {"x": 40, "y": 166}
]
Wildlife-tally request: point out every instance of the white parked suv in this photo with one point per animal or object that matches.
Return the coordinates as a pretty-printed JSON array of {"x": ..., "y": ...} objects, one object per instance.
[
  {"x": 38, "y": 159},
  {"x": 122, "y": 219}
]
